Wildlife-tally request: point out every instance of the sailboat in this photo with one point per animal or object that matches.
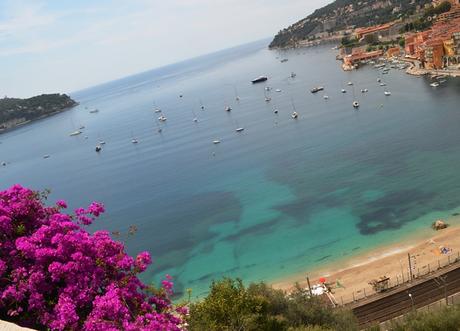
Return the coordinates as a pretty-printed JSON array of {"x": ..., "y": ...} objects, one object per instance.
[
  {"x": 267, "y": 98},
  {"x": 156, "y": 109},
  {"x": 294, "y": 114},
  {"x": 237, "y": 98},
  {"x": 355, "y": 102}
]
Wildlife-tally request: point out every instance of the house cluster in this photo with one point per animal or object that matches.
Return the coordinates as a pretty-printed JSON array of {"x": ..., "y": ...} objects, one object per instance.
[{"x": 438, "y": 47}]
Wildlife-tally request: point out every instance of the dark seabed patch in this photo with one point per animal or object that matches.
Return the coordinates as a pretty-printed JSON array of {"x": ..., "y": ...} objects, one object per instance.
[
  {"x": 394, "y": 210},
  {"x": 190, "y": 224},
  {"x": 323, "y": 258},
  {"x": 255, "y": 230}
]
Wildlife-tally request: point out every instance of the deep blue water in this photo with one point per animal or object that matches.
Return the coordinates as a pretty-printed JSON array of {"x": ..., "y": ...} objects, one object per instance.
[{"x": 280, "y": 197}]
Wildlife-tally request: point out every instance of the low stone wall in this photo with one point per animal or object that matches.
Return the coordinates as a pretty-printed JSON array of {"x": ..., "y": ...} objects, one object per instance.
[{"x": 6, "y": 326}]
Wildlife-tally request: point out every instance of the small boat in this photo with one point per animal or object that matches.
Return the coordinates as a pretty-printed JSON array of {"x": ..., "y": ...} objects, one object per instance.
[
  {"x": 215, "y": 142},
  {"x": 364, "y": 90},
  {"x": 355, "y": 104},
  {"x": 275, "y": 111},
  {"x": 195, "y": 120},
  {"x": 434, "y": 84},
  {"x": 180, "y": 95},
  {"x": 228, "y": 108},
  {"x": 101, "y": 142},
  {"x": 237, "y": 98},
  {"x": 317, "y": 89},
  {"x": 387, "y": 93},
  {"x": 344, "y": 91},
  {"x": 81, "y": 127},
  {"x": 293, "y": 74},
  {"x": 268, "y": 88},
  {"x": 442, "y": 81},
  {"x": 98, "y": 148},
  {"x": 157, "y": 110},
  {"x": 134, "y": 141},
  {"x": 379, "y": 80},
  {"x": 3, "y": 163},
  {"x": 94, "y": 111},
  {"x": 295, "y": 115},
  {"x": 283, "y": 60},
  {"x": 239, "y": 129},
  {"x": 162, "y": 118},
  {"x": 259, "y": 79},
  {"x": 46, "y": 156},
  {"x": 383, "y": 84},
  {"x": 278, "y": 90},
  {"x": 349, "y": 83},
  {"x": 75, "y": 133},
  {"x": 268, "y": 99}
]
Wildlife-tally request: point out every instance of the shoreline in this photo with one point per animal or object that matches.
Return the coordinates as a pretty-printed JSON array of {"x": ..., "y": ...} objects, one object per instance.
[
  {"x": 22, "y": 124},
  {"x": 349, "y": 277}
]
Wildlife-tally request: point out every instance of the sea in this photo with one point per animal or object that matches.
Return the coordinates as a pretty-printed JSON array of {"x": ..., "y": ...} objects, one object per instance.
[{"x": 283, "y": 197}]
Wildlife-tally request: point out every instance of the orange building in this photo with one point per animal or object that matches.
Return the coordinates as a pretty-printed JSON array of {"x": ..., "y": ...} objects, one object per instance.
[
  {"x": 379, "y": 29},
  {"x": 393, "y": 51},
  {"x": 434, "y": 52},
  {"x": 351, "y": 59}
]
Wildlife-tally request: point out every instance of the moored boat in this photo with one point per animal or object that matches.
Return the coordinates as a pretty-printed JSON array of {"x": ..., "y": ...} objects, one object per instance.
[
  {"x": 259, "y": 79},
  {"x": 317, "y": 89}
]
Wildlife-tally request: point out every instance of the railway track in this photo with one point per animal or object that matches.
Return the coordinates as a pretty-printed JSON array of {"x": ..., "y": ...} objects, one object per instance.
[{"x": 397, "y": 301}]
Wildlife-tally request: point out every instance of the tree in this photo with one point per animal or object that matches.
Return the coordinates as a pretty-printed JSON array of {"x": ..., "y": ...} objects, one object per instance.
[
  {"x": 371, "y": 39},
  {"x": 231, "y": 306}
]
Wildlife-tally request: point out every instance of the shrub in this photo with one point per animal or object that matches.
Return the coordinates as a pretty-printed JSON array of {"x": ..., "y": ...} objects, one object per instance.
[
  {"x": 447, "y": 319},
  {"x": 56, "y": 275},
  {"x": 232, "y": 306}
]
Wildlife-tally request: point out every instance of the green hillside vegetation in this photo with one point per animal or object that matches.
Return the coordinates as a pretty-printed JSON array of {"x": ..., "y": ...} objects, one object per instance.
[
  {"x": 426, "y": 20},
  {"x": 231, "y": 306},
  {"x": 345, "y": 13},
  {"x": 447, "y": 319},
  {"x": 14, "y": 111}
]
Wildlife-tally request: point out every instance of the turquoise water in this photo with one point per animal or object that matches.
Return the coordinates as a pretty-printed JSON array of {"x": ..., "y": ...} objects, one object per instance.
[{"x": 277, "y": 199}]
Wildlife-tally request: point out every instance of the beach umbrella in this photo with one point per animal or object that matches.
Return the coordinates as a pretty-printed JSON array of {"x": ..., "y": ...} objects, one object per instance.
[{"x": 322, "y": 280}]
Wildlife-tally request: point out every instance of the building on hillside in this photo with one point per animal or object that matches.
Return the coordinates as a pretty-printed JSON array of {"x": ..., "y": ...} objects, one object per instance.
[
  {"x": 357, "y": 56},
  {"x": 434, "y": 53},
  {"x": 379, "y": 31},
  {"x": 393, "y": 52}
]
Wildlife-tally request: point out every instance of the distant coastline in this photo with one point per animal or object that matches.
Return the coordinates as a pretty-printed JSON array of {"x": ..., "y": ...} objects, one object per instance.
[{"x": 15, "y": 112}]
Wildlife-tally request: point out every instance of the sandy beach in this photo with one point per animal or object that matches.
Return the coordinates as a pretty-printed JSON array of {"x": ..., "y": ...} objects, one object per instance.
[{"x": 349, "y": 278}]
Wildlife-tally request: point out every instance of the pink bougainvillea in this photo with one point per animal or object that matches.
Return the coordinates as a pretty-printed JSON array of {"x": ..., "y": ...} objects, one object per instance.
[{"x": 55, "y": 274}]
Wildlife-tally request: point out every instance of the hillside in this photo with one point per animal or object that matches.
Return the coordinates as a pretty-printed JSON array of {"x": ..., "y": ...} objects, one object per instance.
[
  {"x": 341, "y": 14},
  {"x": 14, "y": 111}
]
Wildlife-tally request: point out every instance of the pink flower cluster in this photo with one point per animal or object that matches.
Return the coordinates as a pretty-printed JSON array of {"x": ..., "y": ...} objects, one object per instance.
[{"x": 56, "y": 275}]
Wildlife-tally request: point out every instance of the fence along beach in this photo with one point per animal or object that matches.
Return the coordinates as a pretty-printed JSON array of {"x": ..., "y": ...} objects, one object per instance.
[{"x": 349, "y": 279}]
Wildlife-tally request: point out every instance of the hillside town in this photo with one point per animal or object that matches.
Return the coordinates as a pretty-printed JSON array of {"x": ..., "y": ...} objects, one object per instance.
[{"x": 428, "y": 50}]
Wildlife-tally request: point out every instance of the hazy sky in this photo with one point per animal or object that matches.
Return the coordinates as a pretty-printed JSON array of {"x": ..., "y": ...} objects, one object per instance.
[{"x": 66, "y": 45}]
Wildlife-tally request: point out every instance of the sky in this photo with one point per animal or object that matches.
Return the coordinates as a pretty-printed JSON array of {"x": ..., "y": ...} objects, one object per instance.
[{"x": 60, "y": 46}]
